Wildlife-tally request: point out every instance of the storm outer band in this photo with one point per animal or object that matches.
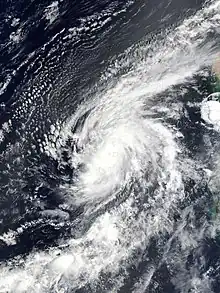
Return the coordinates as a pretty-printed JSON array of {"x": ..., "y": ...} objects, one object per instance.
[{"x": 215, "y": 208}]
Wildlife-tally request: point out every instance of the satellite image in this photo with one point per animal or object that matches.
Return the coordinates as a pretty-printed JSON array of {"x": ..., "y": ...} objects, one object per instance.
[{"x": 109, "y": 146}]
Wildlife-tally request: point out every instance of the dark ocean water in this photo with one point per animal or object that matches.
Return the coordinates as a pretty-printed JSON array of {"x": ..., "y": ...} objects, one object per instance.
[{"x": 108, "y": 173}]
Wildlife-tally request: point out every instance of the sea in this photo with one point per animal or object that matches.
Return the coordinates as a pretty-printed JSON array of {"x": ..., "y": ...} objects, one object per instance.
[{"x": 109, "y": 152}]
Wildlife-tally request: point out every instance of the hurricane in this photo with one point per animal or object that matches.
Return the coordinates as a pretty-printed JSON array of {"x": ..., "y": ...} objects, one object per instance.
[{"x": 110, "y": 176}]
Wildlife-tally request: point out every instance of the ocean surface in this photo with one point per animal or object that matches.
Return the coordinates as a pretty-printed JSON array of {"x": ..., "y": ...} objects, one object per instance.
[{"x": 109, "y": 168}]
